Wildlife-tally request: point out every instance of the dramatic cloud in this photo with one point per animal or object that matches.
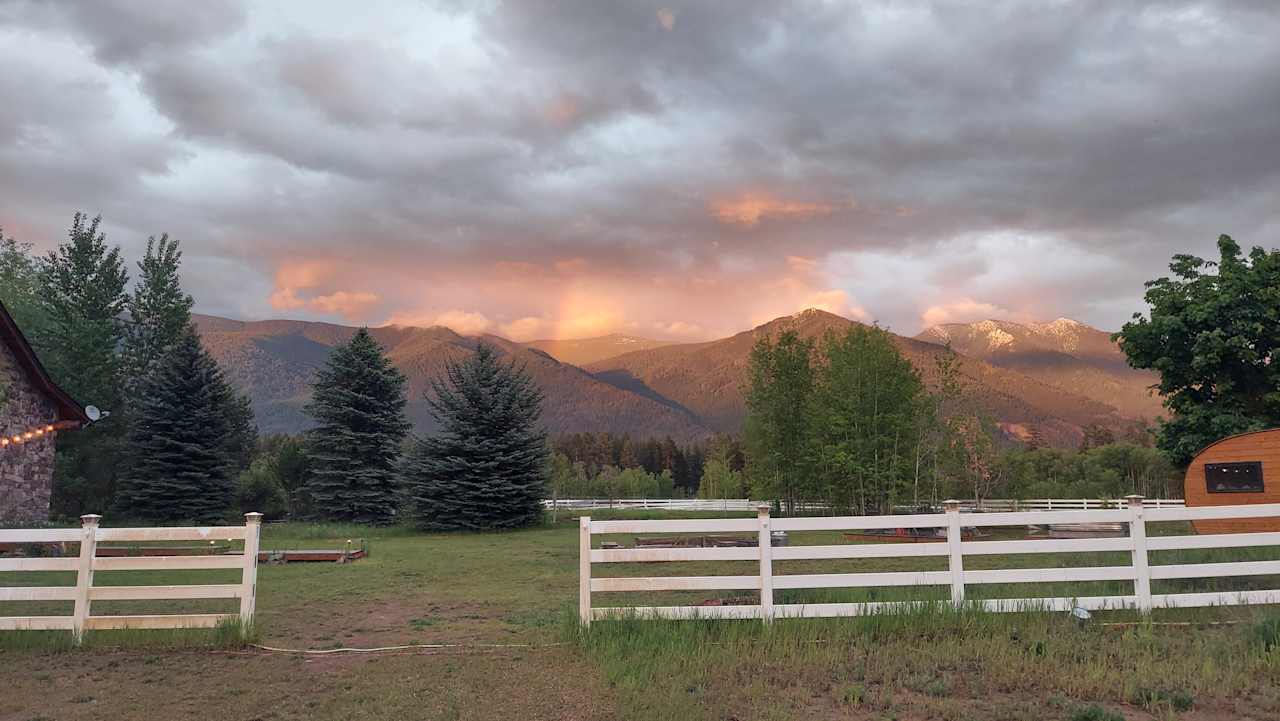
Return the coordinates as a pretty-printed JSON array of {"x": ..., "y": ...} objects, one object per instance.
[
  {"x": 750, "y": 208},
  {"x": 552, "y": 169}
]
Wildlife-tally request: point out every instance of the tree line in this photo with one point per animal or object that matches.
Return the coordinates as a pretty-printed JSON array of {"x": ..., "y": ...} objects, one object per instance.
[
  {"x": 599, "y": 452},
  {"x": 844, "y": 419},
  {"x": 176, "y": 435},
  {"x": 180, "y": 446}
]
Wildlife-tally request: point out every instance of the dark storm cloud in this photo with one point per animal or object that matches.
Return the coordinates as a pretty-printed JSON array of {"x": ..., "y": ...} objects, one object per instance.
[{"x": 700, "y": 164}]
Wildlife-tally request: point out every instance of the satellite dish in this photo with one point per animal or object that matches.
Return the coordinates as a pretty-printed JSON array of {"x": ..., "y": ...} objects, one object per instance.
[{"x": 93, "y": 413}]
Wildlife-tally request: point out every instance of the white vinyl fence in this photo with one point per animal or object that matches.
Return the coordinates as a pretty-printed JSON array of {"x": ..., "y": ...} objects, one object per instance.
[
  {"x": 746, "y": 504},
  {"x": 85, "y": 592},
  {"x": 954, "y": 548}
]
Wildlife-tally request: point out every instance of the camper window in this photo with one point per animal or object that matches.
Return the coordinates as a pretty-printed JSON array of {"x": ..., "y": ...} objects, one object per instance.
[{"x": 1243, "y": 477}]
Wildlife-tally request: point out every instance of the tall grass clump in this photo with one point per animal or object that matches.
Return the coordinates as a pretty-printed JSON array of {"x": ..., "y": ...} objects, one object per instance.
[{"x": 683, "y": 669}]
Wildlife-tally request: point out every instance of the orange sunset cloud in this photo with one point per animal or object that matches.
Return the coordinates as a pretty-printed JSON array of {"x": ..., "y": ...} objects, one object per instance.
[
  {"x": 749, "y": 209},
  {"x": 295, "y": 285}
]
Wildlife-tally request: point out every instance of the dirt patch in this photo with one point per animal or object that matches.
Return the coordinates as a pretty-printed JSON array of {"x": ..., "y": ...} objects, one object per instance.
[{"x": 133, "y": 686}]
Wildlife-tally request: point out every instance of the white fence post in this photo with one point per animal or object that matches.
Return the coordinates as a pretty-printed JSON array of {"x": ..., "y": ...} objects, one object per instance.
[
  {"x": 766, "y": 563},
  {"x": 249, "y": 577},
  {"x": 954, "y": 539},
  {"x": 84, "y": 573},
  {"x": 1141, "y": 569},
  {"x": 584, "y": 570}
]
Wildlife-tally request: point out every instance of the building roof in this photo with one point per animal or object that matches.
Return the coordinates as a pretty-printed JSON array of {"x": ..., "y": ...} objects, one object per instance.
[{"x": 11, "y": 336}]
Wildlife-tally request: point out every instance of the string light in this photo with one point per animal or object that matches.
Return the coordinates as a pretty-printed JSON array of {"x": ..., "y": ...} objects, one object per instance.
[{"x": 18, "y": 439}]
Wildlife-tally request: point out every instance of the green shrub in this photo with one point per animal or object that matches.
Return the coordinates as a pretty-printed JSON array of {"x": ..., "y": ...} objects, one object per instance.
[
  {"x": 1094, "y": 713},
  {"x": 1177, "y": 700},
  {"x": 259, "y": 489},
  {"x": 1266, "y": 634}
]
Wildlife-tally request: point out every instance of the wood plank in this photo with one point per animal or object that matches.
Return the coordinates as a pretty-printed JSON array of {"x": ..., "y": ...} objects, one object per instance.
[
  {"x": 191, "y": 533},
  {"x": 167, "y": 563},
  {"x": 35, "y": 623},
  {"x": 836, "y": 610},
  {"x": 1040, "y": 518},
  {"x": 38, "y": 564},
  {"x": 859, "y": 550},
  {"x": 655, "y": 555},
  {"x": 38, "y": 593},
  {"x": 1050, "y": 545},
  {"x": 203, "y": 620},
  {"x": 1022, "y": 605},
  {"x": 141, "y": 593},
  {"x": 695, "y": 525},
  {"x": 1216, "y": 540},
  {"x": 39, "y": 535},
  {"x": 1225, "y": 598},
  {"x": 1206, "y": 570},
  {"x": 999, "y": 605},
  {"x": 676, "y": 583},
  {"x": 860, "y": 523},
  {"x": 1258, "y": 510},
  {"x": 675, "y": 612},
  {"x": 1049, "y": 575},
  {"x": 863, "y": 580}
]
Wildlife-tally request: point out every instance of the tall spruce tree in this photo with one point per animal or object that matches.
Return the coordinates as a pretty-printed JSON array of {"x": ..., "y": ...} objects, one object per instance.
[
  {"x": 180, "y": 468},
  {"x": 82, "y": 284},
  {"x": 487, "y": 467},
  {"x": 159, "y": 311},
  {"x": 159, "y": 320},
  {"x": 358, "y": 402}
]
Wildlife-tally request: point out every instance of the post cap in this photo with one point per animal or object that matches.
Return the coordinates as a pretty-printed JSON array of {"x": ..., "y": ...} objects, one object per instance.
[
  {"x": 584, "y": 521},
  {"x": 89, "y": 518},
  {"x": 253, "y": 517},
  {"x": 951, "y": 504},
  {"x": 764, "y": 508},
  {"x": 1134, "y": 499}
]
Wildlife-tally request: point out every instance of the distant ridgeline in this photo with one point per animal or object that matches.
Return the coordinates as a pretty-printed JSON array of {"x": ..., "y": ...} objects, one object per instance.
[{"x": 1047, "y": 381}]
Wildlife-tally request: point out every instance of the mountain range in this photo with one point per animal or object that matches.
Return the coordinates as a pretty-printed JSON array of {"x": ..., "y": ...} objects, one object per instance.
[{"x": 1056, "y": 377}]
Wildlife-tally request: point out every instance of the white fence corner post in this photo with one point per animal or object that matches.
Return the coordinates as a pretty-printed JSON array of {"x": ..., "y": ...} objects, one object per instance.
[
  {"x": 584, "y": 570},
  {"x": 1141, "y": 567},
  {"x": 766, "y": 563},
  {"x": 84, "y": 573},
  {"x": 955, "y": 534},
  {"x": 249, "y": 577}
]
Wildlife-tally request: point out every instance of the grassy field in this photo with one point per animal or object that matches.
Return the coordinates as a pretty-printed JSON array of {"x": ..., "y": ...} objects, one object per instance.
[{"x": 503, "y": 607}]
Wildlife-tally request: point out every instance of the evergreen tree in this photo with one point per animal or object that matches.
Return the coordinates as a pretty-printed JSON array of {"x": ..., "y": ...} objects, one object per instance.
[
  {"x": 242, "y": 429},
  {"x": 180, "y": 470},
  {"x": 358, "y": 403},
  {"x": 82, "y": 285},
  {"x": 487, "y": 467},
  {"x": 159, "y": 312}
]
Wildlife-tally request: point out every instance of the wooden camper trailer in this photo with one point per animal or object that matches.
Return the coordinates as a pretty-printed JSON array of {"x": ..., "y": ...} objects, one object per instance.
[{"x": 1235, "y": 471}]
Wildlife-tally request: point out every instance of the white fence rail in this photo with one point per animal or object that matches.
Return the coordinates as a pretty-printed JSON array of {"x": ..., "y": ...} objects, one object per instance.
[
  {"x": 85, "y": 592},
  {"x": 746, "y": 504},
  {"x": 955, "y": 547}
]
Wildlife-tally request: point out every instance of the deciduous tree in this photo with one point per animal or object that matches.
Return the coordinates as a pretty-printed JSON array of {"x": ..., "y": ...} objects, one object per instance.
[{"x": 1213, "y": 334}]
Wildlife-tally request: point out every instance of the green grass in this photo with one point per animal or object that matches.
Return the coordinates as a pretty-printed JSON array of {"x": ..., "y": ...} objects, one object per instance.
[{"x": 520, "y": 588}]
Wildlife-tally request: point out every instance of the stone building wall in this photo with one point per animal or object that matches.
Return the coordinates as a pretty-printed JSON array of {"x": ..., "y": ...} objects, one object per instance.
[{"x": 26, "y": 469}]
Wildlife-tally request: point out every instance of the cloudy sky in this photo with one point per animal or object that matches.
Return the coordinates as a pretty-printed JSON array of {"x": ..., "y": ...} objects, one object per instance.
[{"x": 671, "y": 169}]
